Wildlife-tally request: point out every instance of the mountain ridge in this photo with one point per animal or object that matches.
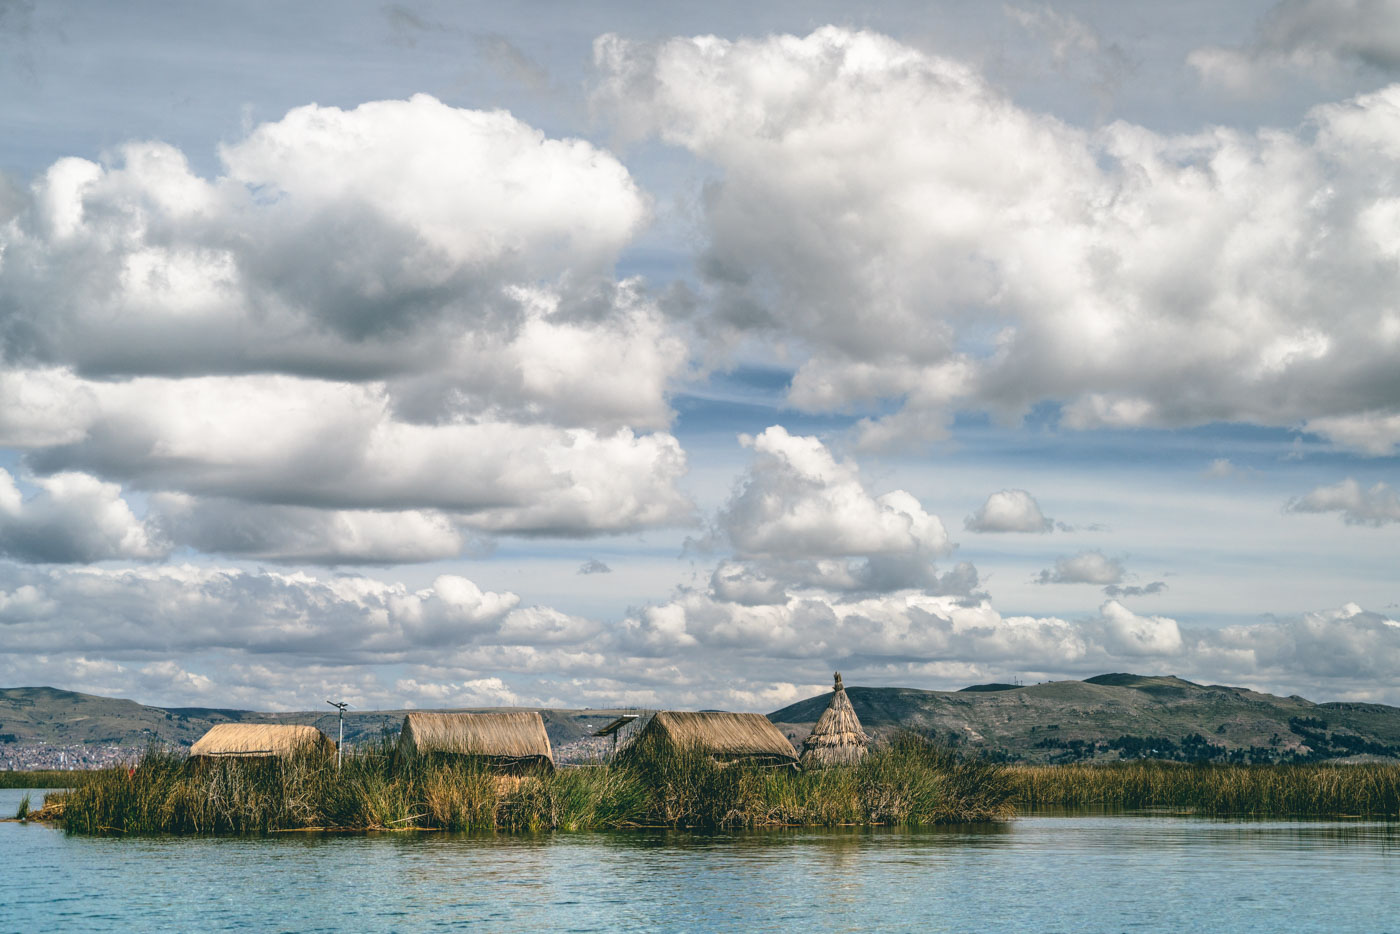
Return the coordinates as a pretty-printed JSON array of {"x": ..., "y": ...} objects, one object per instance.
[{"x": 1113, "y": 715}]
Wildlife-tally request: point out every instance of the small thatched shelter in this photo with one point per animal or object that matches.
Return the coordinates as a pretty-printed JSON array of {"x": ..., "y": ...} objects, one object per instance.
[
  {"x": 837, "y": 739},
  {"x": 507, "y": 740},
  {"x": 259, "y": 741},
  {"x": 727, "y": 737}
]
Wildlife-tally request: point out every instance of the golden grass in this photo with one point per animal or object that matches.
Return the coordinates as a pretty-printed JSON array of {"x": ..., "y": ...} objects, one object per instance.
[
  {"x": 1310, "y": 790},
  {"x": 909, "y": 782}
]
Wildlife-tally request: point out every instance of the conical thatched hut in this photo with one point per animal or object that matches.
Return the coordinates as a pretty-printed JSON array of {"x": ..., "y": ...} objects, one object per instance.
[
  {"x": 727, "y": 737},
  {"x": 508, "y": 740},
  {"x": 837, "y": 739},
  {"x": 259, "y": 741}
]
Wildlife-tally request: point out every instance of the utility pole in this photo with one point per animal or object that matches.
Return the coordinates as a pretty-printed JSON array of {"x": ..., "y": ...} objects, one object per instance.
[{"x": 340, "y": 706}]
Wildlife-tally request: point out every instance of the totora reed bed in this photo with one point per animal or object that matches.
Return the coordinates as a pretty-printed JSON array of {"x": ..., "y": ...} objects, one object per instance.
[
  {"x": 907, "y": 782},
  {"x": 1311, "y": 790}
]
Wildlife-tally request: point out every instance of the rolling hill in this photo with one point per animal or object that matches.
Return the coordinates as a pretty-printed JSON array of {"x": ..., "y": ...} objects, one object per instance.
[
  {"x": 1120, "y": 715},
  {"x": 1109, "y": 716},
  {"x": 44, "y": 727}
]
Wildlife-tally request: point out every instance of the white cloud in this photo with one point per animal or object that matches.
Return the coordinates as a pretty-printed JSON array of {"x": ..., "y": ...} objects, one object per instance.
[
  {"x": 378, "y": 332},
  {"x": 1001, "y": 259},
  {"x": 1126, "y": 633},
  {"x": 1009, "y": 511},
  {"x": 1087, "y": 567},
  {"x": 73, "y": 517},
  {"x": 797, "y": 499},
  {"x": 181, "y": 634},
  {"x": 1372, "y": 433},
  {"x": 335, "y": 445},
  {"x": 1310, "y": 37},
  {"x": 1349, "y": 648},
  {"x": 300, "y": 533},
  {"x": 1376, "y": 506},
  {"x": 337, "y": 241},
  {"x": 802, "y": 518}
]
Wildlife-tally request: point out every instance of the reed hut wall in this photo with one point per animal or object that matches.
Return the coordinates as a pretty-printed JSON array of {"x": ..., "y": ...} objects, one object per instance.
[
  {"x": 504, "y": 739},
  {"x": 259, "y": 740},
  {"x": 727, "y": 737}
]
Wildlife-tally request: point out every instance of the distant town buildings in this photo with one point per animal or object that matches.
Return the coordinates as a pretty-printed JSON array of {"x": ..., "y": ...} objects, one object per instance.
[{"x": 28, "y": 757}]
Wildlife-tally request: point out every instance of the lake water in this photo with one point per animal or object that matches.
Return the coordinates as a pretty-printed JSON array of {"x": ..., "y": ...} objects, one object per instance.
[{"x": 1042, "y": 873}]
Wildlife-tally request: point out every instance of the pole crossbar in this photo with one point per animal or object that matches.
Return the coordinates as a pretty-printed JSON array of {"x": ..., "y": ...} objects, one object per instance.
[{"x": 339, "y": 706}]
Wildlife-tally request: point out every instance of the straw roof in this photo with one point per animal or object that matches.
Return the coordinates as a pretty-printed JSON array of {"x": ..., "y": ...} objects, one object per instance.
[
  {"x": 502, "y": 736},
  {"x": 726, "y": 736},
  {"x": 259, "y": 739},
  {"x": 837, "y": 739}
]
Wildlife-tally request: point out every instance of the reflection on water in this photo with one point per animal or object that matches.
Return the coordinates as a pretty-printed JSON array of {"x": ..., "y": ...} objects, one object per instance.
[{"x": 1087, "y": 872}]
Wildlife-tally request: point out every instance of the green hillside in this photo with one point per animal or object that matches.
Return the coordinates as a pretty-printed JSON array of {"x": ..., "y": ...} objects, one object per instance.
[{"x": 1120, "y": 716}]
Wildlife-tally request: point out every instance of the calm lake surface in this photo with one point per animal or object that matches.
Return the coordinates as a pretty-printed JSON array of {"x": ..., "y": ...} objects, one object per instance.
[{"x": 1043, "y": 873}]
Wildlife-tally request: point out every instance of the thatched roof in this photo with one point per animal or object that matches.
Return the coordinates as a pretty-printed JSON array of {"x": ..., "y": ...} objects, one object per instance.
[
  {"x": 726, "y": 736},
  {"x": 259, "y": 739},
  {"x": 837, "y": 739},
  {"x": 504, "y": 736}
]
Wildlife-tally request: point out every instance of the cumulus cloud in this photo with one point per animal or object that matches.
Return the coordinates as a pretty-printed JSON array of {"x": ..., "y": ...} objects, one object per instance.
[
  {"x": 1309, "y": 37},
  {"x": 304, "y": 534},
  {"x": 1374, "y": 433},
  {"x": 1002, "y": 259},
  {"x": 1325, "y": 646},
  {"x": 1009, "y": 511},
  {"x": 1087, "y": 567},
  {"x": 336, "y": 240},
  {"x": 152, "y": 612},
  {"x": 798, "y": 499},
  {"x": 338, "y": 445},
  {"x": 1376, "y": 506},
  {"x": 594, "y": 566},
  {"x": 185, "y": 634},
  {"x": 802, "y": 518},
  {"x": 1126, "y": 633},
  {"x": 73, "y": 517},
  {"x": 382, "y": 330}
]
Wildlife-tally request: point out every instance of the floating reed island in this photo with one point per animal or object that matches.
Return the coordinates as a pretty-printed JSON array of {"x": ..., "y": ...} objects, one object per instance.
[
  {"x": 676, "y": 769},
  {"x": 495, "y": 771}
]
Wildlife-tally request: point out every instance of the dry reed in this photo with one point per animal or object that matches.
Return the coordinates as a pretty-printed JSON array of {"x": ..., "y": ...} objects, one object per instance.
[
  {"x": 909, "y": 782},
  {"x": 1309, "y": 790}
]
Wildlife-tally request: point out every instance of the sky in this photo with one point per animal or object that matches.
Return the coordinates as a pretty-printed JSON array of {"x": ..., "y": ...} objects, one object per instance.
[{"x": 584, "y": 354}]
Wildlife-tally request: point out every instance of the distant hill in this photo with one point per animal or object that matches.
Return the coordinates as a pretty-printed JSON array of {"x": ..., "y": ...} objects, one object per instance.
[
  {"x": 1109, "y": 716},
  {"x": 1118, "y": 716},
  {"x": 44, "y": 727}
]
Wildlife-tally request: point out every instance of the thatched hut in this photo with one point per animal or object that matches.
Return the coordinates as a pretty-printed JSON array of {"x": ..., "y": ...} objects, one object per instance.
[
  {"x": 259, "y": 741},
  {"x": 726, "y": 737},
  {"x": 507, "y": 740},
  {"x": 837, "y": 739}
]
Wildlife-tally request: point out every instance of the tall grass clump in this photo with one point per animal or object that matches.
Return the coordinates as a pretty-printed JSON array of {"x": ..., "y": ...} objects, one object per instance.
[
  {"x": 1303, "y": 790},
  {"x": 910, "y": 782}
]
